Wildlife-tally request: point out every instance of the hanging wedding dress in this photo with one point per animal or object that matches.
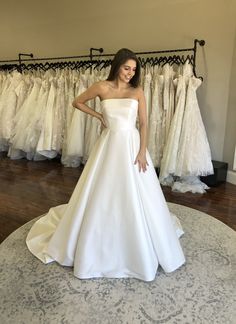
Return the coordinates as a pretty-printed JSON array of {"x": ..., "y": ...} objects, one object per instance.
[
  {"x": 67, "y": 158},
  {"x": 8, "y": 109},
  {"x": 155, "y": 135},
  {"x": 44, "y": 146},
  {"x": 73, "y": 149},
  {"x": 169, "y": 160},
  {"x": 20, "y": 135},
  {"x": 3, "y": 95},
  {"x": 22, "y": 92},
  {"x": 117, "y": 223},
  {"x": 91, "y": 124},
  {"x": 147, "y": 79},
  {"x": 187, "y": 153},
  {"x": 35, "y": 123},
  {"x": 58, "y": 126},
  {"x": 168, "y": 100},
  {"x": 194, "y": 155}
]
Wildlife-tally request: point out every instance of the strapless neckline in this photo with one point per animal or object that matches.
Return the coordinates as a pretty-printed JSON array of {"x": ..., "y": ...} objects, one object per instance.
[{"x": 119, "y": 99}]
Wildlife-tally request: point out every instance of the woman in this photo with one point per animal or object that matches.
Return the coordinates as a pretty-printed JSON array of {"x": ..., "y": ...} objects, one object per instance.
[{"x": 117, "y": 223}]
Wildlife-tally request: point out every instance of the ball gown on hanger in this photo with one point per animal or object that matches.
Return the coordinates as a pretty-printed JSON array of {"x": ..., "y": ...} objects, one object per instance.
[{"x": 116, "y": 223}]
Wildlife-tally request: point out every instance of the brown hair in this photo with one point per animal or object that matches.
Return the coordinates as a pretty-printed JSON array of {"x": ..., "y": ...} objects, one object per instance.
[{"x": 120, "y": 58}]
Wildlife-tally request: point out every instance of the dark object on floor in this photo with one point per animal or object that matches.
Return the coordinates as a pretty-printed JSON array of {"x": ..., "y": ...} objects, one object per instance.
[
  {"x": 157, "y": 171},
  {"x": 219, "y": 176}
]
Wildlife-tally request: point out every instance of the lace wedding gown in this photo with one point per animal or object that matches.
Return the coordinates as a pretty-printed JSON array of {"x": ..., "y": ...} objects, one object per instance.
[{"x": 116, "y": 223}]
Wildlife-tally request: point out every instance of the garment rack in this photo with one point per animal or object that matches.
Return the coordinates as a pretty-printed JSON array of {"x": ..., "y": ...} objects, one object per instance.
[{"x": 100, "y": 50}]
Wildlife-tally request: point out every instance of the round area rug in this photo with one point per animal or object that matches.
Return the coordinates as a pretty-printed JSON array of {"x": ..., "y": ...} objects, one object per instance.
[{"x": 201, "y": 291}]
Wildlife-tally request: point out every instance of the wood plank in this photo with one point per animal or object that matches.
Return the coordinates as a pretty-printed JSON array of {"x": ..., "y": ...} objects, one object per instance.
[{"x": 28, "y": 189}]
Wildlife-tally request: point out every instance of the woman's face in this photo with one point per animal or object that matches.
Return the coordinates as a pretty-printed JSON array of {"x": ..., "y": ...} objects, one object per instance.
[{"x": 127, "y": 71}]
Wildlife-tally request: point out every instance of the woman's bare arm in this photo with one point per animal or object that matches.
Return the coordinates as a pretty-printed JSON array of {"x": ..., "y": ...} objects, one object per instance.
[
  {"x": 92, "y": 92},
  {"x": 141, "y": 157}
]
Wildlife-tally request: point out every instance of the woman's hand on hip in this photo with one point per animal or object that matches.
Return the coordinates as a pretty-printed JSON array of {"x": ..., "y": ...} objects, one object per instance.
[{"x": 102, "y": 120}]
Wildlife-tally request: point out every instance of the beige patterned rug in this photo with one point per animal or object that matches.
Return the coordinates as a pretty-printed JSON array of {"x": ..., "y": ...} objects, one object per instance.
[{"x": 202, "y": 291}]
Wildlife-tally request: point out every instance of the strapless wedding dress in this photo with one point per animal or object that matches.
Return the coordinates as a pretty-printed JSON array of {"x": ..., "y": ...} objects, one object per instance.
[{"x": 116, "y": 223}]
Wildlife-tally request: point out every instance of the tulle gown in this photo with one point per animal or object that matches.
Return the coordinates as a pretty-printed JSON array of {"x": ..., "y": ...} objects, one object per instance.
[{"x": 116, "y": 223}]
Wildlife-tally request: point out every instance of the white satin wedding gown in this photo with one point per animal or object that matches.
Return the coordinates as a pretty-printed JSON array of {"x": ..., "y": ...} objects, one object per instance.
[{"x": 116, "y": 223}]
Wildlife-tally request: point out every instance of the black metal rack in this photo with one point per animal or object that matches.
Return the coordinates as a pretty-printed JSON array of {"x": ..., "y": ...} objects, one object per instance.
[{"x": 9, "y": 64}]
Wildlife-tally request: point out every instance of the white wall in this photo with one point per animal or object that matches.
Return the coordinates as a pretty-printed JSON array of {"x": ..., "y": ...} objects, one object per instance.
[
  {"x": 230, "y": 130},
  {"x": 60, "y": 27}
]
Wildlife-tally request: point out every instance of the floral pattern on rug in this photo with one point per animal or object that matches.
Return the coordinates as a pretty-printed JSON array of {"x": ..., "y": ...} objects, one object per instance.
[{"x": 201, "y": 291}]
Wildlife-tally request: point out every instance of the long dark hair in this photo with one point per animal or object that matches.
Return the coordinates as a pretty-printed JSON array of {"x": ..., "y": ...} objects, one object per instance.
[{"x": 123, "y": 55}]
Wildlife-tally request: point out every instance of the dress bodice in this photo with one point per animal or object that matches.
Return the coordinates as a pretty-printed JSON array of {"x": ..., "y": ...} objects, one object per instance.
[{"x": 120, "y": 113}]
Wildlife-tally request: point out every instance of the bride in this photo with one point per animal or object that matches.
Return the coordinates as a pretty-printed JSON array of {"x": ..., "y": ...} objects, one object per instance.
[{"x": 116, "y": 223}]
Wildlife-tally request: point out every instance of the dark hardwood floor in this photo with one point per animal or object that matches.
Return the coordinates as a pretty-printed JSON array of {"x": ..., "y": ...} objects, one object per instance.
[{"x": 28, "y": 189}]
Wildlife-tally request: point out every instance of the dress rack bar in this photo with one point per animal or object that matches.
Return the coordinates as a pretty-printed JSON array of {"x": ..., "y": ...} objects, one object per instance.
[
  {"x": 100, "y": 50},
  {"x": 90, "y": 56}
]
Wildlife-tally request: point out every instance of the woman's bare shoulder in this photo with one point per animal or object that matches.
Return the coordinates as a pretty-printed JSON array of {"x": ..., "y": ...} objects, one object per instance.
[
  {"x": 98, "y": 85},
  {"x": 104, "y": 84},
  {"x": 138, "y": 92},
  {"x": 102, "y": 87}
]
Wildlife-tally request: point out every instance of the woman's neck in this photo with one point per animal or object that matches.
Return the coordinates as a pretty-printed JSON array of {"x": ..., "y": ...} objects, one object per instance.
[{"x": 120, "y": 85}]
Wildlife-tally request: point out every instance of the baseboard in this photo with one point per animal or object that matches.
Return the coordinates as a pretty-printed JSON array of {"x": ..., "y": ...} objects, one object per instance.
[{"x": 231, "y": 177}]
